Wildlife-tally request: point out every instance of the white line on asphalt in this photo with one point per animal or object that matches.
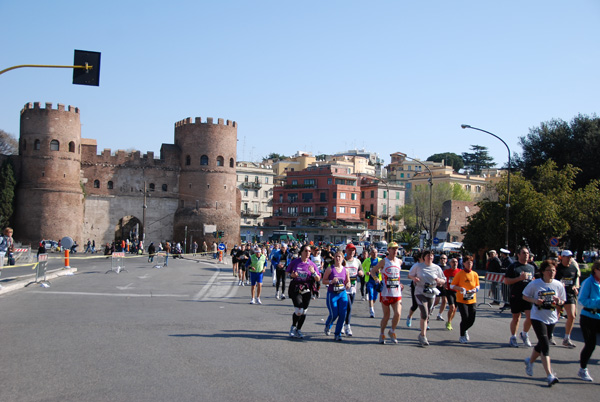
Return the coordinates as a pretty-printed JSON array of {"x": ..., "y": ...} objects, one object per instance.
[{"x": 110, "y": 294}]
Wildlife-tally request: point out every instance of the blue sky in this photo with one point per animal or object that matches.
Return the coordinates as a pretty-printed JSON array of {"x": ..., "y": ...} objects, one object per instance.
[{"x": 317, "y": 76}]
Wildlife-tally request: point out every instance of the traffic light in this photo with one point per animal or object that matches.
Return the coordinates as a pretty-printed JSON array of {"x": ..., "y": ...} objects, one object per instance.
[
  {"x": 368, "y": 215},
  {"x": 214, "y": 234},
  {"x": 221, "y": 233},
  {"x": 84, "y": 76}
]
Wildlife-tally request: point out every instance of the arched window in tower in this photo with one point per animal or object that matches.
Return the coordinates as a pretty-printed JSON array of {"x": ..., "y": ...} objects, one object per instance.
[
  {"x": 36, "y": 145},
  {"x": 152, "y": 187},
  {"x": 109, "y": 185},
  {"x": 231, "y": 162},
  {"x": 165, "y": 187},
  {"x": 203, "y": 160},
  {"x": 72, "y": 147},
  {"x": 96, "y": 183},
  {"x": 188, "y": 160},
  {"x": 220, "y": 161},
  {"x": 54, "y": 145}
]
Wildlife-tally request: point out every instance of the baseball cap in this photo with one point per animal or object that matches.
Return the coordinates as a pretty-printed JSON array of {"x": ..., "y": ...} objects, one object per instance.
[
  {"x": 257, "y": 249},
  {"x": 350, "y": 246},
  {"x": 393, "y": 245},
  {"x": 504, "y": 251},
  {"x": 566, "y": 253}
]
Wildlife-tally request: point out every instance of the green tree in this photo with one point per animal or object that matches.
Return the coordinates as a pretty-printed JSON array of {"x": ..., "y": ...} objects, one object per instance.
[
  {"x": 8, "y": 183},
  {"x": 275, "y": 157},
  {"x": 450, "y": 159},
  {"x": 478, "y": 159},
  {"x": 8, "y": 144},
  {"x": 407, "y": 239},
  {"x": 576, "y": 143}
]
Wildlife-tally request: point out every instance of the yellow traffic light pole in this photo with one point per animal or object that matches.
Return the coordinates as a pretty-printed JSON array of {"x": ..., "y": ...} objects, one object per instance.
[{"x": 87, "y": 67}]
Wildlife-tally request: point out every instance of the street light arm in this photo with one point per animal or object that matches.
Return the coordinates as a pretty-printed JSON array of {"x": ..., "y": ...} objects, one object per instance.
[{"x": 493, "y": 135}]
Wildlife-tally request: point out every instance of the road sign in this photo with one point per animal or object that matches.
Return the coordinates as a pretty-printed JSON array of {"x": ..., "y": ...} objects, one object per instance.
[
  {"x": 221, "y": 246},
  {"x": 261, "y": 233},
  {"x": 436, "y": 240},
  {"x": 553, "y": 241}
]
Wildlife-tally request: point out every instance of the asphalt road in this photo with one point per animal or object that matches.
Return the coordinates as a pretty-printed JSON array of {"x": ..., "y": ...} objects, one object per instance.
[{"x": 186, "y": 333}]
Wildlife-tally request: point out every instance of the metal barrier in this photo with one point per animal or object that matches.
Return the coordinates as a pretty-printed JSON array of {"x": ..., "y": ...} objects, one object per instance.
[
  {"x": 496, "y": 292},
  {"x": 40, "y": 270},
  {"x": 160, "y": 260},
  {"x": 117, "y": 262}
]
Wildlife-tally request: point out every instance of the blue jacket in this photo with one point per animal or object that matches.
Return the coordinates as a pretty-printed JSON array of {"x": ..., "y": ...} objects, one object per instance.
[{"x": 589, "y": 296}]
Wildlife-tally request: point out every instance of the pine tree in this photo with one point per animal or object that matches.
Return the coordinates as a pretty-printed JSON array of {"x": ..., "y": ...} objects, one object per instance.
[{"x": 477, "y": 160}]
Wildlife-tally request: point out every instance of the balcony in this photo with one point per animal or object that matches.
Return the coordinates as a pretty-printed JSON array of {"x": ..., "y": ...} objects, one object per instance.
[
  {"x": 246, "y": 213},
  {"x": 251, "y": 185}
]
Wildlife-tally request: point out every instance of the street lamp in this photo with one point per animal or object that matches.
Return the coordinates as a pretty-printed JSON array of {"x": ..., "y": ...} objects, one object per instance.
[
  {"x": 507, "y": 181},
  {"x": 430, "y": 197}
]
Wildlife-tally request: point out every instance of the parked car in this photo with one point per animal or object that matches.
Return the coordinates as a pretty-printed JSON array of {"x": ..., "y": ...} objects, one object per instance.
[
  {"x": 50, "y": 245},
  {"x": 408, "y": 262}
]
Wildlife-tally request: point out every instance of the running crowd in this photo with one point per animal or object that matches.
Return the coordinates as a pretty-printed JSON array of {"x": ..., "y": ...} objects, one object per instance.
[{"x": 540, "y": 294}]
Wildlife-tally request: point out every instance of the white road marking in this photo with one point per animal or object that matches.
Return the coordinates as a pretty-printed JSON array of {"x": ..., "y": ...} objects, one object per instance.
[
  {"x": 125, "y": 287},
  {"x": 111, "y": 294}
]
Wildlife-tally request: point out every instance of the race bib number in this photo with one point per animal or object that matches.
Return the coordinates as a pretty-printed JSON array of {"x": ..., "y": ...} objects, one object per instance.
[
  {"x": 338, "y": 287},
  {"x": 302, "y": 274},
  {"x": 468, "y": 296},
  {"x": 392, "y": 283},
  {"x": 567, "y": 281}
]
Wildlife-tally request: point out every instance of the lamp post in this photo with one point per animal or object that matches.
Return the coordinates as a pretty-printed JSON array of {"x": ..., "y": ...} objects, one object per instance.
[
  {"x": 507, "y": 181},
  {"x": 430, "y": 198}
]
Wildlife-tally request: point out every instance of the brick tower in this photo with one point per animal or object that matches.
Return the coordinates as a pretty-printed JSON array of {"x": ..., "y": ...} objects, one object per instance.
[
  {"x": 49, "y": 195},
  {"x": 207, "y": 181}
]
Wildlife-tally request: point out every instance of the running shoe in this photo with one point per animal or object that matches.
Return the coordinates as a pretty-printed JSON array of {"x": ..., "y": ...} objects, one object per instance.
[
  {"x": 343, "y": 330},
  {"x": 440, "y": 318},
  {"x": 408, "y": 322},
  {"x": 528, "y": 367},
  {"x": 392, "y": 336},
  {"x": 525, "y": 339},
  {"x": 372, "y": 313},
  {"x": 567, "y": 342},
  {"x": 468, "y": 338},
  {"x": 299, "y": 334},
  {"x": 327, "y": 331},
  {"x": 292, "y": 332},
  {"x": 423, "y": 340},
  {"x": 348, "y": 330},
  {"x": 282, "y": 296},
  {"x": 463, "y": 339},
  {"x": 258, "y": 300},
  {"x": 243, "y": 284},
  {"x": 584, "y": 375},
  {"x": 338, "y": 338},
  {"x": 252, "y": 301},
  {"x": 239, "y": 283},
  {"x": 552, "y": 341},
  {"x": 551, "y": 379},
  {"x": 513, "y": 342},
  {"x": 449, "y": 326},
  {"x": 362, "y": 298},
  {"x": 382, "y": 339}
]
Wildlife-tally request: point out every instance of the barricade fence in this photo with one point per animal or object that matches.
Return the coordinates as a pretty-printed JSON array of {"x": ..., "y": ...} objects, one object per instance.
[
  {"x": 496, "y": 291},
  {"x": 117, "y": 262},
  {"x": 159, "y": 259}
]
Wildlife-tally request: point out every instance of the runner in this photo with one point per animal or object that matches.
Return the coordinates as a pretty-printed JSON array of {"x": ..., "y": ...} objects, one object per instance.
[
  {"x": 546, "y": 293},
  {"x": 316, "y": 258},
  {"x": 589, "y": 298},
  {"x": 568, "y": 273},
  {"x": 338, "y": 281},
  {"x": 441, "y": 299},
  {"x": 243, "y": 257},
  {"x": 280, "y": 260},
  {"x": 418, "y": 256},
  {"x": 234, "y": 260},
  {"x": 257, "y": 267},
  {"x": 518, "y": 276},
  {"x": 466, "y": 285},
  {"x": 354, "y": 269},
  {"x": 427, "y": 276},
  {"x": 450, "y": 273},
  {"x": 372, "y": 293},
  {"x": 391, "y": 290},
  {"x": 303, "y": 273}
]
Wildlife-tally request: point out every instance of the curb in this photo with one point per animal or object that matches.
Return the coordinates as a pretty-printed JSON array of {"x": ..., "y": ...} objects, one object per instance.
[{"x": 23, "y": 283}]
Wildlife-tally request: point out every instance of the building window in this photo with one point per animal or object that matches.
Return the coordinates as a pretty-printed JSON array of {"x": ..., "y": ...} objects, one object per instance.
[
  {"x": 402, "y": 175},
  {"x": 266, "y": 194},
  {"x": 372, "y": 193},
  {"x": 329, "y": 181},
  {"x": 203, "y": 160},
  {"x": 294, "y": 182},
  {"x": 342, "y": 210},
  {"x": 353, "y": 211},
  {"x": 230, "y": 162},
  {"x": 309, "y": 182},
  {"x": 266, "y": 180},
  {"x": 245, "y": 193},
  {"x": 334, "y": 209},
  {"x": 151, "y": 187},
  {"x": 362, "y": 194},
  {"x": 36, "y": 145},
  {"x": 109, "y": 185},
  {"x": 96, "y": 183},
  {"x": 384, "y": 194},
  {"x": 353, "y": 196},
  {"x": 397, "y": 195},
  {"x": 72, "y": 147},
  {"x": 54, "y": 145},
  {"x": 165, "y": 187},
  {"x": 255, "y": 193},
  {"x": 468, "y": 187},
  {"x": 188, "y": 160},
  {"x": 362, "y": 208},
  {"x": 197, "y": 204},
  {"x": 334, "y": 195},
  {"x": 342, "y": 196},
  {"x": 220, "y": 161}
]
